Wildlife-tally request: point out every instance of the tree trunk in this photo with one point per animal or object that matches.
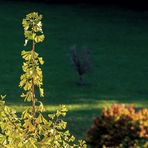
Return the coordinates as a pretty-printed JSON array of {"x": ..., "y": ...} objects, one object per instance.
[{"x": 81, "y": 80}]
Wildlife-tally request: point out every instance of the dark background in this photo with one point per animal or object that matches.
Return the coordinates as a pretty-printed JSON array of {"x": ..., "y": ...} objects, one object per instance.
[{"x": 136, "y": 5}]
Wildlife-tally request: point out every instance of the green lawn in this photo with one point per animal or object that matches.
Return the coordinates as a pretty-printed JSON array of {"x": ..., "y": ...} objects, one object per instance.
[{"x": 118, "y": 40}]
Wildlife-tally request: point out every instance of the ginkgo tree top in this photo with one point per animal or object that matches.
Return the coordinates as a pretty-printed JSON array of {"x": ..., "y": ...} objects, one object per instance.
[
  {"x": 32, "y": 77},
  {"x": 33, "y": 28}
]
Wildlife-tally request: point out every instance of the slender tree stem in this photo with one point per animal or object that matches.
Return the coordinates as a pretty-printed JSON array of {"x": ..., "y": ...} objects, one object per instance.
[{"x": 33, "y": 91}]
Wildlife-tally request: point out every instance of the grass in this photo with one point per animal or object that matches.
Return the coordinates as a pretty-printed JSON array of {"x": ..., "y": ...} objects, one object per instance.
[{"x": 118, "y": 42}]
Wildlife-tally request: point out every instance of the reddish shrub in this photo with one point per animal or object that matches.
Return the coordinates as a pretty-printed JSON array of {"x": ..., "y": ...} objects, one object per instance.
[{"x": 119, "y": 126}]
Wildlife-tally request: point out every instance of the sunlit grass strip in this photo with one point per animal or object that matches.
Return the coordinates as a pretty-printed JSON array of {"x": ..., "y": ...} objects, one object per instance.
[
  {"x": 52, "y": 108},
  {"x": 75, "y": 107}
]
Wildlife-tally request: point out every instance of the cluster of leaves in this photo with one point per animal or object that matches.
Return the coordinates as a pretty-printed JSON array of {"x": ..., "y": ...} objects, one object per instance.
[
  {"x": 33, "y": 28},
  {"x": 19, "y": 132},
  {"x": 32, "y": 74},
  {"x": 32, "y": 129},
  {"x": 81, "y": 62},
  {"x": 120, "y": 126}
]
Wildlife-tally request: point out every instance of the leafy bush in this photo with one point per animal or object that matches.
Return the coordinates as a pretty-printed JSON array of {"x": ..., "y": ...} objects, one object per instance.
[
  {"x": 30, "y": 132},
  {"x": 119, "y": 126},
  {"x": 32, "y": 129}
]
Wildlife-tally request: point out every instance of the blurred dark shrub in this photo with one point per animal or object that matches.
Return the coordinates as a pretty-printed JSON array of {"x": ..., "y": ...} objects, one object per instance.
[
  {"x": 81, "y": 62},
  {"x": 119, "y": 126}
]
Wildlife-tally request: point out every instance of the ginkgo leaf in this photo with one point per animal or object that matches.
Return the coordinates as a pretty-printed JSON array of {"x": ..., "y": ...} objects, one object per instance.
[
  {"x": 41, "y": 60},
  {"x": 28, "y": 35},
  {"x": 39, "y": 38},
  {"x": 41, "y": 92},
  {"x": 26, "y": 41},
  {"x": 38, "y": 120}
]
